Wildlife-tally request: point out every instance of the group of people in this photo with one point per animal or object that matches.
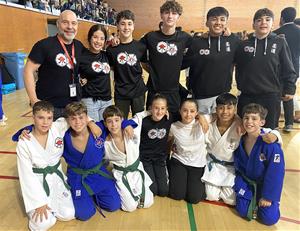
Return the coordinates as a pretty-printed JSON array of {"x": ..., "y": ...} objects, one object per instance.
[{"x": 169, "y": 152}]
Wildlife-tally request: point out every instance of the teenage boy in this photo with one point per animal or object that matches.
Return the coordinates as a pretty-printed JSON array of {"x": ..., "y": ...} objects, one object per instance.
[
  {"x": 292, "y": 35},
  {"x": 223, "y": 139},
  {"x": 125, "y": 59},
  {"x": 259, "y": 170},
  {"x": 205, "y": 54},
  {"x": 166, "y": 48},
  {"x": 46, "y": 195},
  {"x": 265, "y": 71}
]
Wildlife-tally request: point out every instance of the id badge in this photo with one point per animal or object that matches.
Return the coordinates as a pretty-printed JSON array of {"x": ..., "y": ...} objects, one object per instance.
[{"x": 72, "y": 90}]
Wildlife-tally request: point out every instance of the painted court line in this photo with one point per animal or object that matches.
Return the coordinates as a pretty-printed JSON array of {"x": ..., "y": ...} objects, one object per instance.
[
  {"x": 9, "y": 177},
  {"x": 191, "y": 217},
  {"x": 225, "y": 205},
  {"x": 8, "y": 152},
  {"x": 26, "y": 114}
]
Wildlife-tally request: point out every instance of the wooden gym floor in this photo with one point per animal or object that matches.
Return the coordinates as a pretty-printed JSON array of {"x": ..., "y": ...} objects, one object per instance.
[{"x": 165, "y": 214}]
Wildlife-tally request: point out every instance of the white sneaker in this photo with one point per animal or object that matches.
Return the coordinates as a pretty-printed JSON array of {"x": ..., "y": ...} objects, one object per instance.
[
  {"x": 2, "y": 123},
  {"x": 4, "y": 118}
]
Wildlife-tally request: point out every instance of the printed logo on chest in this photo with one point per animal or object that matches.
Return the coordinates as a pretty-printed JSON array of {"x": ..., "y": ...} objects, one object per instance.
[
  {"x": 100, "y": 67},
  {"x": 59, "y": 142},
  {"x": 62, "y": 61},
  {"x": 99, "y": 143},
  {"x": 157, "y": 133},
  {"x": 262, "y": 157},
  {"x": 124, "y": 58},
  {"x": 168, "y": 48}
]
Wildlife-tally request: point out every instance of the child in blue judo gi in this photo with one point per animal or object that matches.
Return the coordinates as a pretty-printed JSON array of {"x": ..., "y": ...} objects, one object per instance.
[
  {"x": 91, "y": 184},
  {"x": 259, "y": 170}
]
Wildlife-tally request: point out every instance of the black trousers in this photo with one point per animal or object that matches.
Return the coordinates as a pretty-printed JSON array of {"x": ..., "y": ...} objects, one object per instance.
[
  {"x": 269, "y": 101},
  {"x": 288, "y": 109},
  {"x": 157, "y": 171},
  {"x": 58, "y": 112},
  {"x": 185, "y": 182},
  {"x": 137, "y": 105}
]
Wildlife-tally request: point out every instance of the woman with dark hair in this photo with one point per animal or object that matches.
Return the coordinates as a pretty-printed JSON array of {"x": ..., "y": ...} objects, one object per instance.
[{"x": 94, "y": 72}]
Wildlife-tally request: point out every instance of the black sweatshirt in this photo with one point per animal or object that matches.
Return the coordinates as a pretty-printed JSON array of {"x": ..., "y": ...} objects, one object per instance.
[
  {"x": 211, "y": 65},
  {"x": 292, "y": 36},
  {"x": 265, "y": 66}
]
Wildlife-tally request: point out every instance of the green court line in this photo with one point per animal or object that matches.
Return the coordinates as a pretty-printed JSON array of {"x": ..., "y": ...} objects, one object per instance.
[{"x": 191, "y": 217}]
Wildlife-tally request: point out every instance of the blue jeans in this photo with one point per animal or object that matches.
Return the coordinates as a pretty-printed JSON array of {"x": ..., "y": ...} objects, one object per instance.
[{"x": 95, "y": 108}]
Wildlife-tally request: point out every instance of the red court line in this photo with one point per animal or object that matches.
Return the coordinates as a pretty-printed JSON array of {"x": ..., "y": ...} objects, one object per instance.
[
  {"x": 26, "y": 114},
  {"x": 8, "y": 152},
  {"x": 292, "y": 170},
  {"x": 9, "y": 177},
  {"x": 290, "y": 220},
  {"x": 229, "y": 206}
]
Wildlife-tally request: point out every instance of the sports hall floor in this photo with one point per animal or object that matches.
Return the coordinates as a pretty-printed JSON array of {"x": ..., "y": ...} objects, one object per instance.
[{"x": 165, "y": 214}]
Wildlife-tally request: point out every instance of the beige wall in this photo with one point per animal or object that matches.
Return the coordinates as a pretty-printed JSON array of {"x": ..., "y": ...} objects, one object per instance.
[
  {"x": 21, "y": 28},
  {"x": 194, "y": 12}
]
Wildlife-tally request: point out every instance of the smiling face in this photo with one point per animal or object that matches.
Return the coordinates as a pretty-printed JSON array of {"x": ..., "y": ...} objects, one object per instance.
[
  {"x": 113, "y": 124},
  {"x": 158, "y": 109},
  {"x": 216, "y": 25},
  {"x": 225, "y": 113},
  {"x": 169, "y": 19},
  {"x": 263, "y": 26},
  {"x": 67, "y": 26},
  {"x": 125, "y": 28},
  {"x": 188, "y": 112},
  {"x": 252, "y": 123},
  {"x": 78, "y": 122},
  {"x": 42, "y": 121},
  {"x": 97, "y": 41}
]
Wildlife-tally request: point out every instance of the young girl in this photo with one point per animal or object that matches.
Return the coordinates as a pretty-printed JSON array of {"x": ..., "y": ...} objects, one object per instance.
[
  {"x": 153, "y": 146},
  {"x": 186, "y": 165}
]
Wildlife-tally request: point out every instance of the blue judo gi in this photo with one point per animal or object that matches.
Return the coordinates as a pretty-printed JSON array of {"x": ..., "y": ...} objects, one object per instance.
[
  {"x": 91, "y": 184},
  {"x": 261, "y": 171}
]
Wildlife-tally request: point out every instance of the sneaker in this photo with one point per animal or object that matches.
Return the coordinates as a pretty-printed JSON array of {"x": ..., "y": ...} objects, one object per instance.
[
  {"x": 4, "y": 118},
  {"x": 2, "y": 123},
  {"x": 288, "y": 128}
]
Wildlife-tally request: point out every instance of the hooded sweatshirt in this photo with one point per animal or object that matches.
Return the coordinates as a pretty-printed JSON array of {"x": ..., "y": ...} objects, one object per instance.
[
  {"x": 264, "y": 66},
  {"x": 211, "y": 65}
]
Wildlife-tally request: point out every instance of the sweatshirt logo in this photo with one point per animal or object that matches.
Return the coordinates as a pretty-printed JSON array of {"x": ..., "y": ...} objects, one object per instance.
[
  {"x": 124, "y": 58},
  {"x": 273, "y": 49},
  {"x": 249, "y": 49},
  {"x": 204, "y": 52},
  {"x": 227, "y": 44},
  {"x": 169, "y": 48},
  {"x": 98, "y": 67}
]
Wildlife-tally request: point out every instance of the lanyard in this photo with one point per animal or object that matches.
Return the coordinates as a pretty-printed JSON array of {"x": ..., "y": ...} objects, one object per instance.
[{"x": 71, "y": 59}]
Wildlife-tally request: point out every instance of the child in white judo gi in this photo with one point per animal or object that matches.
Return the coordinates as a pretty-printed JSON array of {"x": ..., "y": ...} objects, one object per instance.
[
  {"x": 223, "y": 138},
  {"x": 131, "y": 179},
  {"x": 45, "y": 192}
]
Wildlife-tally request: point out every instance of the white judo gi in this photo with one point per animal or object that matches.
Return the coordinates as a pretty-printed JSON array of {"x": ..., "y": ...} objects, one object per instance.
[
  {"x": 30, "y": 154},
  {"x": 123, "y": 160},
  {"x": 219, "y": 177}
]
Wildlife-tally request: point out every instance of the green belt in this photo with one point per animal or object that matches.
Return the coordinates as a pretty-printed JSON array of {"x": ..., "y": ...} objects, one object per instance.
[
  {"x": 252, "y": 209},
  {"x": 50, "y": 170},
  {"x": 85, "y": 172},
  {"x": 133, "y": 168},
  {"x": 215, "y": 160}
]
